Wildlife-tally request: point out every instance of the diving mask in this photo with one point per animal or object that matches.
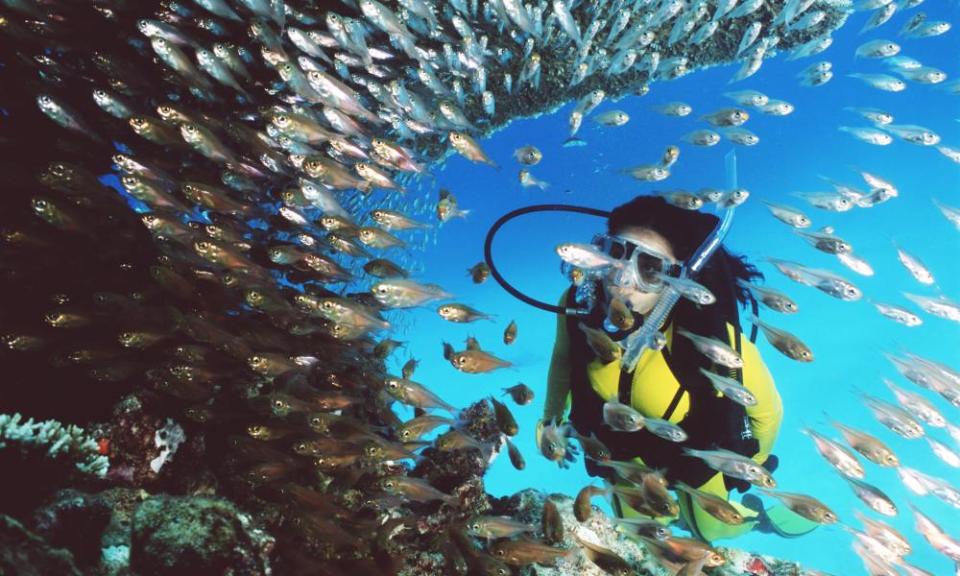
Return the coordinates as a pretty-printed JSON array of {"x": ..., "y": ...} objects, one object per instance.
[{"x": 643, "y": 267}]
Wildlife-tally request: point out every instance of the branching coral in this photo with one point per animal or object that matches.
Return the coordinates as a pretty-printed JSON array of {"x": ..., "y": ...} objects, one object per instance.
[{"x": 59, "y": 441}]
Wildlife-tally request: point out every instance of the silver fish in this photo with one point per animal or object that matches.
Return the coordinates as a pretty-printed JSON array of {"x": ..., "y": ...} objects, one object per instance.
[
  {"x": 784, "y": 341},
  {"x": 731, "y": 388},
  {"x": 714, "y": 349}
]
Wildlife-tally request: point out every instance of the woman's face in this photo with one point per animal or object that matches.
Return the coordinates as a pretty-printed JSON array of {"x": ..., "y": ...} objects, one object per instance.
[{"x": 639, "y": 301}]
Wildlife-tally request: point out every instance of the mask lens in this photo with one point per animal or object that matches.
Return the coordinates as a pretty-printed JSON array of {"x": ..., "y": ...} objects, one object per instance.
[
  {"x": 616, "y": 250},
  {"x": 649, "y": 268}
]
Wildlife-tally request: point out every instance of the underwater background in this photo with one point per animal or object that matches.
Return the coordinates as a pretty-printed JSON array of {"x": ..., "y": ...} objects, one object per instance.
[
  {"x": 795, "y": 152},
  {"x": 848, "y": 339}
]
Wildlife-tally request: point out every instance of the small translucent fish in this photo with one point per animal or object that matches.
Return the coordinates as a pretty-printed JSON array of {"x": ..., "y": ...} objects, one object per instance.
[
  {"x": 409, "y": 367},
  {"x": 377, "y": 238},
  {"x": 521, "y": 394},
  {"x": 918, "y": 406},
  {"x": 883, "y": 82},
  {"x": 682, "y": 199},
  {"x": 461, "y": 313},
  {"x": 869, "y": 135},
  {"x": 585, "y": 256},
  {"x": 703, "y": 137},
  {"x": 788, "y": 215},
  {"x": 878, "y": 49},
  {"x": 806, "y": 506},
  {"x": 477, "y": 361},
  {"x": 855, "y": 263},
  {"x": 504, "y": 418},
  {"x": 748, "y": 98},
  {"x": 740, "y": 135},
  {"x": 777, "y": 108},
  {"x": 873, "y": 497},
  {"x": 393, "y": 220},
  {"x": 870, "y": 447},
  {"x": 898, "y": 314},
  {"x": 612, "y": 118},
  {"x": 941, "y": 307},
  {"x": 837, "y": 455},
  {"x": 895, "y": 418},
  {"x": 712, "y": 504},
  {"x": 731, "y": 388},
  {"x": 946, "y": 454},
  {"x": 826, "y": 242},
  {"x": 529, "y": 155},
  {"x": 952, "y": 153},
  {"x": 621, "y": 417},
  {"x": 875, "y": 115},
  {"x": 833, "y": 202},
  {"x": 528, "y": 180},
  {"x": 879, "y": 17},
  {"x": 936, "y": 537},
  {"x": 467, "y": 147},
  {"x": 678, "y": 109},
  {"x": 670, "y": 155},
  {"x": 619, "y": 314},
  {"x": 648, "y": 172},
  {"x": 415, "y": 394},
  {"x": 403, "y": 293},
  {"x": 771, "y": 298},
  {"x": 602, "y": 345},
  {"x": 516, "y": 457},
  {"x": 734, "y": 197},
  {"x": 510, "y": 333},
  {"x": 923, "y": 75},
  {"x": 605, "y": 558},
  {"x": 691, "y": 290},
  {"x": 415, "y": 488},
  {"x": 727, "y": 117},
  {"x": 714, "y": 349},
  {"x": 914, "y": 266},
  {"x": 785, "y": 342},
  {"x": 413, "y": 430},
  {"x": 582, "y": 508},
  {"x": 491, "y": 527},
  {"x": 951, "y": 213},
  {"x": 664, "y": 429},
  {"x": 735, "y": 465},
  {"x": 914, "y": 134},
  {"x": 448, "y": 207},
  {"x": 552, "y": 442}
]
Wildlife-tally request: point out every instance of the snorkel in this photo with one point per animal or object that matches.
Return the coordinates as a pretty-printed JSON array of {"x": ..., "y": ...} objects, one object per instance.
[{"x": 649, "y": 335}]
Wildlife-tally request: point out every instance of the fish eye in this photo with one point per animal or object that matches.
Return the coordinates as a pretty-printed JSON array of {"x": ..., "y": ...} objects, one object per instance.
[{"x": 388, "y": 484}]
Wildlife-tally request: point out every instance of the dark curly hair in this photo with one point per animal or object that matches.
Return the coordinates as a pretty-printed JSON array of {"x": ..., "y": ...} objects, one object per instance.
[{"x": 686, "y": 230}]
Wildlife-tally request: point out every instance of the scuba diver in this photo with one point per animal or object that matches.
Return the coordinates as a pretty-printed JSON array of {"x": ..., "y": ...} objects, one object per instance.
[{"x": 654, "y": 239}]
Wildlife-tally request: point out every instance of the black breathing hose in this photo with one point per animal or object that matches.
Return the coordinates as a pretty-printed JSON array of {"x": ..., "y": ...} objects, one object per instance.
[{"x": 488, "y": 256}]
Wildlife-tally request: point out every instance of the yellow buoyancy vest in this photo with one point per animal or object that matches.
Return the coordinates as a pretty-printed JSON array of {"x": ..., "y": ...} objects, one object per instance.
[{"x": 654, "y": 387}]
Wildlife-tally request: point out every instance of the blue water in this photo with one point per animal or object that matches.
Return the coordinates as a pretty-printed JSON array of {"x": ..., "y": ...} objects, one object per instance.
[{"x": 848, "y": 338}]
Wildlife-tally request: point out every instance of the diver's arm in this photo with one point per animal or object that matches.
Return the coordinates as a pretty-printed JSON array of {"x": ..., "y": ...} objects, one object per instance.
[
  {"x": 767, "y": 414},
  {"x": 558, "y": 378}
]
